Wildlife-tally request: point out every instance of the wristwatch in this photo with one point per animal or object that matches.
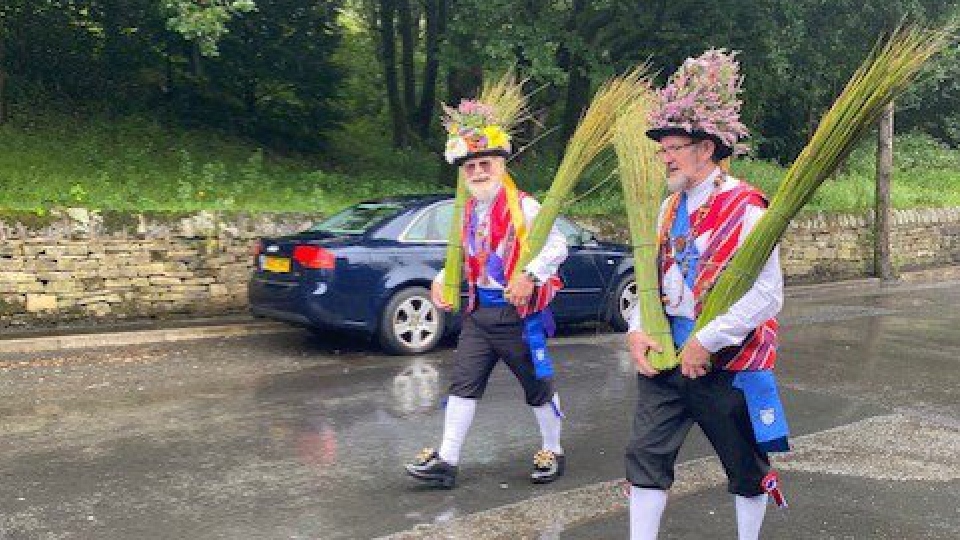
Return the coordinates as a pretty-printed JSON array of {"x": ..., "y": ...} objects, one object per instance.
[{"x": 533, "y": 277}]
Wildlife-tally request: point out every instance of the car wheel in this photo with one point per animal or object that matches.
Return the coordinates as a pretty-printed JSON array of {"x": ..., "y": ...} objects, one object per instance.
[
  {"x": 410, "y": 323},
  {"x": 624, "y": 301}
]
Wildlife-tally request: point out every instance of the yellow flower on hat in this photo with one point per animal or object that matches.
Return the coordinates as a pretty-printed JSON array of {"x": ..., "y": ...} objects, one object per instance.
[{"x": 496, "y": 137}]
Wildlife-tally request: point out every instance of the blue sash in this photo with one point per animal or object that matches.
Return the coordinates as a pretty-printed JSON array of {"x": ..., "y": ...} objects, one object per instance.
[
  {"x": 766, "y": 411},
  {"x": 536, "y": 327},
  {"x": 682, "y": 327}
]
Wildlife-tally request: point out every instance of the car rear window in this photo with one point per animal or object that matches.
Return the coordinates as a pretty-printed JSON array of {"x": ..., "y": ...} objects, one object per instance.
[{"x": 357, "y": 219}]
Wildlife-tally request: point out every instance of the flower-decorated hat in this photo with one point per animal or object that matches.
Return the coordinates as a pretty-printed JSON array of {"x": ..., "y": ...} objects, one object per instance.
[
  {"x": 701, "y": 100},
  {"x": 473, "y": 131}
]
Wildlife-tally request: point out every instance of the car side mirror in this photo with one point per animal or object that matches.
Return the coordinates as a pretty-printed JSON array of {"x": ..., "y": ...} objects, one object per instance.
[{"x": 588, "y": 239}]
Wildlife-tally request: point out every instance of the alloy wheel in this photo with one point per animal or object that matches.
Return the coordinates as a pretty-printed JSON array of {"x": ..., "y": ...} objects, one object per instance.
[
  {"x": 628, "y": 300},
  {"x": 416, "y": 322}
]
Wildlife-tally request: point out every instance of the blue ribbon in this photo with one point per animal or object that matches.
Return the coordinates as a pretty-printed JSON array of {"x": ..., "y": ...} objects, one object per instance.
[
  {"x": 682, "y": 327},
  {"x": 680, "y": 228},
  {"x": 536, "y": 327},
  {"x": 765, "y": 409}
]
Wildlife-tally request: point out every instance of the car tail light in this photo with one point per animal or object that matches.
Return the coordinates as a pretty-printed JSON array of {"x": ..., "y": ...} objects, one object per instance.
[{"x": 314, "y": 257}]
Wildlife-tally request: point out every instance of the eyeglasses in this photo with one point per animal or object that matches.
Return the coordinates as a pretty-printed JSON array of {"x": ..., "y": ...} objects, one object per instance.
[
  {"x": 672, "y": 150},
  {"x": 484, "y": 165}
]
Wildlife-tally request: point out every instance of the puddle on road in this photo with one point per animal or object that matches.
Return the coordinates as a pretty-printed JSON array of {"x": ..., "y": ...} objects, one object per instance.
[{"x": 824, "y": 314}]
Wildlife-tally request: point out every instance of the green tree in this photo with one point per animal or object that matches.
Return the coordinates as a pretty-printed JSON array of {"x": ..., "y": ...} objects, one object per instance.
[
  {"x": 274, "y": 78},
  {"x": 204, "y": 22}
]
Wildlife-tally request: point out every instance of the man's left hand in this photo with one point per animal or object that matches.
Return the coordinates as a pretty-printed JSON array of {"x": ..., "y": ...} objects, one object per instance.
[
  {"x": 520, "y": 289},
  {"x": 694, "y": 359}
]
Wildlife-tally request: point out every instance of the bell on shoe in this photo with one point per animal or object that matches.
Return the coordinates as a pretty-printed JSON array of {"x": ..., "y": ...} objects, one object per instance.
[
  {"x": 547, "y": 467},
  {"x": 430, "y": 468}
]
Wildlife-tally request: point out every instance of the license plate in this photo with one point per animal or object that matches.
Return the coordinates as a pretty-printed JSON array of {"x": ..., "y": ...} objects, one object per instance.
[{"x": 280, "y": 265}]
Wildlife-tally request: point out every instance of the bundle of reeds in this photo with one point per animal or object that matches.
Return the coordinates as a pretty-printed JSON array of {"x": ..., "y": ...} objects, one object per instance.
[
  {"x": 509, "y": 103},
  {"x": 886, "y": 73},
  {"x": 644, "y": 185},
  {"x": 453, "y": 267},
  {"x": 593, "y": 134}
]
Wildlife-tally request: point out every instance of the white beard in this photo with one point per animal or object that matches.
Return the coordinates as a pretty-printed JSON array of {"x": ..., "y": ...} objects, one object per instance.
[
  {"x": 677, "y": 183},
  {"x": 485, "y": 192}
]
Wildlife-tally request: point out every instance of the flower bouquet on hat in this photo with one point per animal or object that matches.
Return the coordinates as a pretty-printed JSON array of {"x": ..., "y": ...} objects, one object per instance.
[{"x": 702, "y": 100}]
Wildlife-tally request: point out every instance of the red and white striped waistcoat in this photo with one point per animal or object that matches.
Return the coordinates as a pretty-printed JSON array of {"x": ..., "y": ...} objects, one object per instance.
[
  {"x": 503, "y": 252},
  {"x": 721, "y": 226}
]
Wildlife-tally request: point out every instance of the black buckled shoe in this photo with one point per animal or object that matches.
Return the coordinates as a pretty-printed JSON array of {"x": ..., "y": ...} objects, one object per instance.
[
  {"x": 547, "y": 467},
  {"x": 430, "y": 468}
]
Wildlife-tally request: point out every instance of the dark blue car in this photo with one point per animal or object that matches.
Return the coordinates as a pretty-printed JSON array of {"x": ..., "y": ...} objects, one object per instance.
[{"x": 368, "y": 269}]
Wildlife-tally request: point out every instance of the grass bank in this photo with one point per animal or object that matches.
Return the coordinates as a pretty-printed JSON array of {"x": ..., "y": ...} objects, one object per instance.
[{"x": 135, "y": 164}]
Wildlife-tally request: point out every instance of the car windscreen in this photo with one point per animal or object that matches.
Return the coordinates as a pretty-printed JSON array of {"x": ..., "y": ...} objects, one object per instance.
[{"x": 357, "y": 219}]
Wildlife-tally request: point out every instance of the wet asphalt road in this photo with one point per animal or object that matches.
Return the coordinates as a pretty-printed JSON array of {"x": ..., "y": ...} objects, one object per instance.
[{"x": 290, "y": 436}]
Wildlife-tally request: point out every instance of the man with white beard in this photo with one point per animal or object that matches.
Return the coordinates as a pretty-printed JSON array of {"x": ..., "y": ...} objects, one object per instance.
[
  {"x": 506, "y": 319},
  {"x": 725, "y": 381}
]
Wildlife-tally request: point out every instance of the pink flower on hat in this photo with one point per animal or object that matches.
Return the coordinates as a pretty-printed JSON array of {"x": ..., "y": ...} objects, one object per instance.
[{"x": 703, "y": 96}]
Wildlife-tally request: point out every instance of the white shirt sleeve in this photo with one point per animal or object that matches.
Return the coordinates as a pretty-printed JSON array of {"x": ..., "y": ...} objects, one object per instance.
[
  {"x": 762, "y": 302},
  {"x": 554, "y": 252},
  {"x": 439, "y": 277},
  {"x": 635, "y": 323}
]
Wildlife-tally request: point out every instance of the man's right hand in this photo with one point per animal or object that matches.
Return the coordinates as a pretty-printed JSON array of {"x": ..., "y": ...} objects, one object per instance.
[
  {"x": 639, "y": 343},
  {"x": 436, "y": 296}
]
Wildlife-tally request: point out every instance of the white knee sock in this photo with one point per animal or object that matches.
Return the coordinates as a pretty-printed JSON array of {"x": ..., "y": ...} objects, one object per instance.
[
  {"x": 646, "y": 509},
  {"x": 550, "y": 424},
  {"x": 750, "y": 512},
  {"x": 456, "y": 423}
]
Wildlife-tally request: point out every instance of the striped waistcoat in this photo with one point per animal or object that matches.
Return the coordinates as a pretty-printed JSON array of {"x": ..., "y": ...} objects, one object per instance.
[
  {"x": 503, "y": 254},
  {"x": 723, "y": 223}
]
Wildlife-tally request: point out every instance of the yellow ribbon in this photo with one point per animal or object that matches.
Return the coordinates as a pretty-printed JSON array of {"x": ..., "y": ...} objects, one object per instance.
[
  {"x": 725, "y": 165},
  {"x": 516, "y": 212}
]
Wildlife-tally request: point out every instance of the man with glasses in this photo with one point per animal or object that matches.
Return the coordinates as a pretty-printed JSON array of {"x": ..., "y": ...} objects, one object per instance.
[
  {"x": 506, "y": 319},
  {"x": 726, "y": 365}
]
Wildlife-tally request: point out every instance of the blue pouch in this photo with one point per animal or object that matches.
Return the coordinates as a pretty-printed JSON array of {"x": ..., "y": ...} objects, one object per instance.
[
  {"x": 766, "y": 411},
  {"x": 535, "y": 334}
]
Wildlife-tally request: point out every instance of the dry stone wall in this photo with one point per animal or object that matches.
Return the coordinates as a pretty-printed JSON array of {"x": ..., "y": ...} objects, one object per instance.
[{"x": 78, "y": 265}]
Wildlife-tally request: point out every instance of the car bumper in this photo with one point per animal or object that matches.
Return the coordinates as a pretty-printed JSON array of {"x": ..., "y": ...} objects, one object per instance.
[{"x": 311, "y": 304}]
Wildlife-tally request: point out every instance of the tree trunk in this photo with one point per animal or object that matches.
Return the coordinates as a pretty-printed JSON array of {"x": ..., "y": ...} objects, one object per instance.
[
  {"x": 578, "y": 89},
  {"x": 407, "y": 45},
  {"x": 169, "y": 82},
  {"x": 436, "y": 14},
  {"x": 883, "y": 266},
  {"x": 3, "y": 81},
  {"x": 578, "y": 83},
  {"x": 388, "y": 55},
  {"x": 196, "y": 60},
  {"x": 112, "y": 54}
]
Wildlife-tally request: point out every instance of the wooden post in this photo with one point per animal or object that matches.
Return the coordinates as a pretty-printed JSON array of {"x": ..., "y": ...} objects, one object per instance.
[{"x": 883, "y": 266}]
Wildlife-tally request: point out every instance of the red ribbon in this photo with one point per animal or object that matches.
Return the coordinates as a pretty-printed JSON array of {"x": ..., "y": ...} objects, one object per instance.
[{"x": 771, "y": 485}]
